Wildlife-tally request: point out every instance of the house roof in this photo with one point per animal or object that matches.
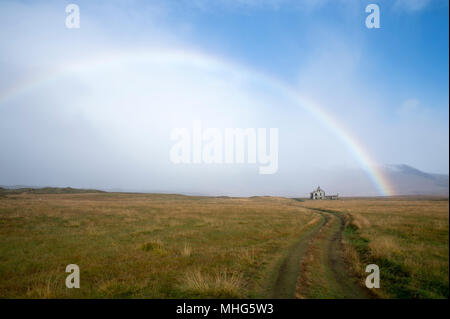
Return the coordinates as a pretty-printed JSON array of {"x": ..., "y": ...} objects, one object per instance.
[{"x": 317, "y": 190}]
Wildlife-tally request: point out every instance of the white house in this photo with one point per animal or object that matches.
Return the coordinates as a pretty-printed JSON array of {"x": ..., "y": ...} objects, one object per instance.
[
  {"x": 317, "y": 194},
  {"x": 320, "y": 194}
]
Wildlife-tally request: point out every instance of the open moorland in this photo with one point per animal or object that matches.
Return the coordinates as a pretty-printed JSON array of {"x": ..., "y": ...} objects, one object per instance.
[
  {"x": 173, "y": 246},
  {"x": 407, "y": 237}
]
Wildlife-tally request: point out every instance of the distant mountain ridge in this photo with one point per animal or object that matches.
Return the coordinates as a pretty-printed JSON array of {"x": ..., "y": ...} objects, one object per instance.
[
  {"x": 403, "y": 180},
  {"x": 407, "y": 180},
  {"x": 45, "y": 190}
]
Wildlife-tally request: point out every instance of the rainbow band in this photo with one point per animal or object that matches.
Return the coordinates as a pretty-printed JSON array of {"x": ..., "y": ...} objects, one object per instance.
[{"x": 199, "y": 60}]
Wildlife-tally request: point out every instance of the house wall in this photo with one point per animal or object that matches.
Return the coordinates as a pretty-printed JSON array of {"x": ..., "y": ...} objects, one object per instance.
[{"x": 318, "y": 195}]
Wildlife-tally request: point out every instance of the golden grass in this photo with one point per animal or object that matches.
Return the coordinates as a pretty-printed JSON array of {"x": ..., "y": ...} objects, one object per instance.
[
  {"x": 311, "y": 282},
  {"x": 186, "y": 250},
  {"x": 143, "y": 245},
  {"x": 407, "y": 236},
  {"x": 170, "y": 246},
  {"x": 221, "y": 284}
]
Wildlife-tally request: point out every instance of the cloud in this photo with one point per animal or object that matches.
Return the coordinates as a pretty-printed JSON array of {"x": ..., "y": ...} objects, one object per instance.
[
  {"x": 411, "y": 5},
  {"x": 306, "y": 5},
  {"x": 108, "y": 124},
  {"x": 409, "y": 106},
  {"x": 408, "y": 6}
]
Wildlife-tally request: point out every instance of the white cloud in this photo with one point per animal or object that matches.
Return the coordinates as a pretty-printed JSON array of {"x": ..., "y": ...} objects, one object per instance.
[
  {"x": 411, "y": 5},
  {"x": 409, "y": 106},
  {"x": 268, "y": 4},
  {"x": 114, "y": 130}
]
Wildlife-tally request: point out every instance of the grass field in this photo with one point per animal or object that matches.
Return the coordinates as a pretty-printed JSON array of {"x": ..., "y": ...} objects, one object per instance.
[
  {"x": 407, "y": 237},
  {"x": 136, "y": 245},
  {"x": 172, "y": 246}
]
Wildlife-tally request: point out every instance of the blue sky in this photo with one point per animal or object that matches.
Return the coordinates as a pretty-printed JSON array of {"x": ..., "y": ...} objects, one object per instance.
[
  {"x": 277, "y": 36},
  {"x": 278, "y": 40},
  {"x": 388, "y": 87}
]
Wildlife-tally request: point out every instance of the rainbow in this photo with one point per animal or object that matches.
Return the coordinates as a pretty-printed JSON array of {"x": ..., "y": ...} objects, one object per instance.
[{"x": 202, "y": 61}]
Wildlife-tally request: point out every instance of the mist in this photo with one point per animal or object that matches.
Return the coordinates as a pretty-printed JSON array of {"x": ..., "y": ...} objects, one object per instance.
[{"x": 95, "y": 107}]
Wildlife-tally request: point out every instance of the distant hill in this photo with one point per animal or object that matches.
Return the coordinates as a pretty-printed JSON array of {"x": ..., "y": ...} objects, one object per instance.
[
  {"x": 45, "y": 190},
  {"x": 403, "y": 179},
  {"x": 407, "y": 180}
]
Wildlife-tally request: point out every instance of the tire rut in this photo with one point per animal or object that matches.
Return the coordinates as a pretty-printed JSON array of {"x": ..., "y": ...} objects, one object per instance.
[
  {"x": 286, "y": 280},
  {"x": 342, "y": 282}
]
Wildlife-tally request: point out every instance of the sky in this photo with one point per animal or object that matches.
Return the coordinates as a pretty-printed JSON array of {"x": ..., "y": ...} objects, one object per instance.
[{"x": 95, "y": 106}]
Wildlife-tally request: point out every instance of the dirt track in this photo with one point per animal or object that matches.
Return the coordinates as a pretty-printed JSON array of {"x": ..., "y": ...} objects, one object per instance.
[
  {"x": 288, "y": 273},
  {"x": 296, "y": 271}
]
